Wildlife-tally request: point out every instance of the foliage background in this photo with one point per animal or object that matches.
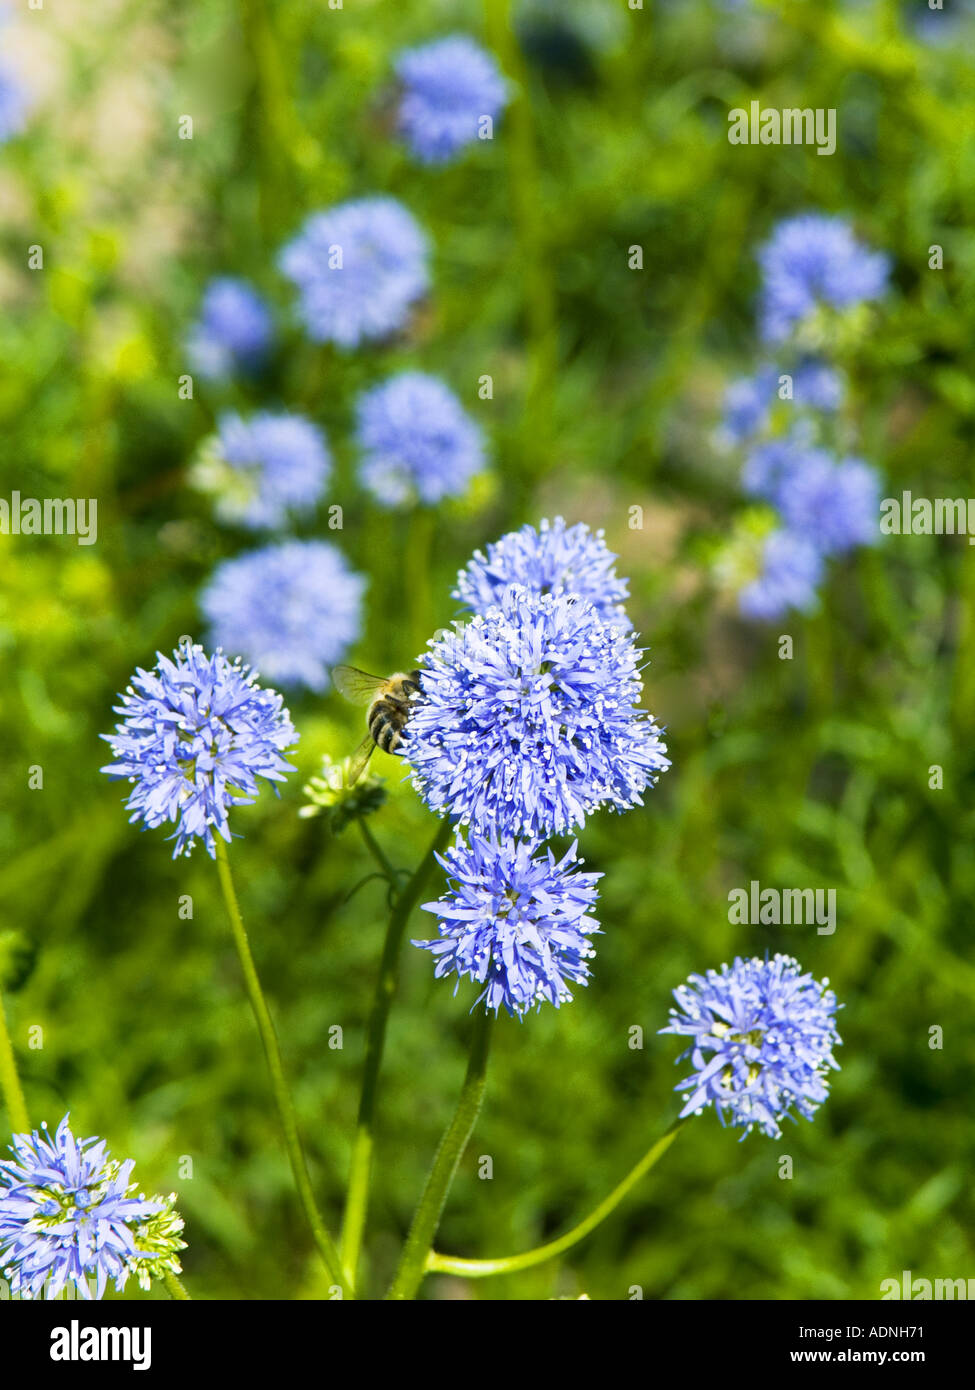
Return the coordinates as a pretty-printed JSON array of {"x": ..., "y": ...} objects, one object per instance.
[{"x": 607, "y": 384}]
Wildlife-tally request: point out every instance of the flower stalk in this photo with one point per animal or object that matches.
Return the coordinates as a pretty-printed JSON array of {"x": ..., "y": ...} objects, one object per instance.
[
  {"x": 511, "y": 1264},
  {"x": 413, "y": 1262},
  {"x": 357, "y": 1199},
  {"x": 282, "y": 1095}
]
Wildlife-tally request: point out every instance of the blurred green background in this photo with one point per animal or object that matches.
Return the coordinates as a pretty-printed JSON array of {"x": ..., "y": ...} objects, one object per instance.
[{"x": 607, "y": 388}]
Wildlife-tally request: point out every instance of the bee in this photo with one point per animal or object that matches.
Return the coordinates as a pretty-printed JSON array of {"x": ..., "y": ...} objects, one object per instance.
[{"x": 388, "y": 698}]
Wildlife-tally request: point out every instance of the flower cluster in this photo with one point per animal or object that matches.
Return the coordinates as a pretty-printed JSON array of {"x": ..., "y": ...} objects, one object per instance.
[
  {"x": 263, "y": 469},
  {"x": 233, "y": 332},
  {"x": 196, "y": 733},
  {"x": 417, "y": 441},
  {"x": 358, "y": 269},
  {"x": 515, "y": 921},
  {"x": 822, "y": 501},
  {"x": 761, "y": 1042},
  {"x": 528, "y": 722},
  {"x": 70, "y": 1214},
  {"x": 290, "y": 610},
  {"x": 555, "y": 559},
  {"x": 452, "y": 92},
  {"x": 813, "y": 263}
]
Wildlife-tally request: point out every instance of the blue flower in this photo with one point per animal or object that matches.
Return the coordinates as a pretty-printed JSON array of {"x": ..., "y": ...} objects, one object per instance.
[
  {"x": 449, "y": 86},
  {"x": 762, "y": 1037},
  {"x": 69, "y": 1213},
  {"x": 196, "y": 733},
  {"x": 264, "y": 470},
  {"x": 233, "y": 332},
  {"x": 555, "y": 559},
  {"x": 417, "y": 440},
  {"x": 291, "y": 610},
  {"x": 791, "y": 571},
  {"x": 516, "y": 921},
  {"x": 814, "y": 260},
  {"x": 818, "y": 386},
  {"x": 14, "y": 105},
  {"x": 358, "y": 268},
  {"x": 749, "y": 400},
  {"x": 771, "y": 466},
  {"x": 528, "y": 719},
  {"x": 833, "y": 505}
]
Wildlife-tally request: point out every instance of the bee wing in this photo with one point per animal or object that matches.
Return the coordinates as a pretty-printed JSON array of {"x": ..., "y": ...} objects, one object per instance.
[
  {"x": 359, "y": 760},
  {"x": 358, "y": 686}
]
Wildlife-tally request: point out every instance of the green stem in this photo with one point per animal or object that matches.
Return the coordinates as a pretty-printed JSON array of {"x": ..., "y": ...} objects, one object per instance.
[
  {"x": 413, "y": 1262},
  {"x": 377, "y": 851},
  {"x": 286, "y": 1110},
  {"x": 175, "y": 1289},
  {"x": 357, "y": 1200},
  {"x": 509, "y": 1264},
  {"x": 13, "y": 1094}
]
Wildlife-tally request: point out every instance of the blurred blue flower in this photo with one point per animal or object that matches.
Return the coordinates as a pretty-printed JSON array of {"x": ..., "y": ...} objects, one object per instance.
[
  {"x": 771, "y": 465},
  {"x": 791, "y": 571},
  {"x": 811, "y": 260},
  {"x": 818, "y": 386},
  {"x": 449, "y": 86},
  {"x": 14, "y": 105},
  {"x": 358, "y": 268},
  {"x": 263, "y": 470},
  {"x": 762, "y": 1037},
  {"x": 69, "y": 1214},
  {"x": 233, "y": 332},
  {"x": 417, "y": 441},
  {"x": 555, "y": 559},
  {"x": 514, "y": 919},
  {"x": 833, "y": 505},
  {"x": 196, "y": 733},
  {"x": 749, "y": 400},
  {"x": 290, "y": 609},
  {"x": 528, "y": 719}
]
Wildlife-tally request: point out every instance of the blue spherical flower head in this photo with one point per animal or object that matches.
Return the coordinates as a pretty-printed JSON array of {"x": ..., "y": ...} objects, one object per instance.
[
  {"x": 761, "y": 1042},
  {"x": 449, "y": 87},
  {"x": 516, "y": 920},
  {"x": 291, "y": 610},
  {"x": 555, "y": 559},
  {"x": 70, "y": 1214},
  {"x": 196, "y": 733},
  {"x": 264, "y": 470},
  {"x": 358, "y": 269},
  {"x": 528, "y": 720},
  {"x": 811, "y": 261},
  {"x": 790, "y": 574},
  {"x": 233, "y": 332},
  {"x": 418, "y": 442},
  {"x": 833, "y": 505}
]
